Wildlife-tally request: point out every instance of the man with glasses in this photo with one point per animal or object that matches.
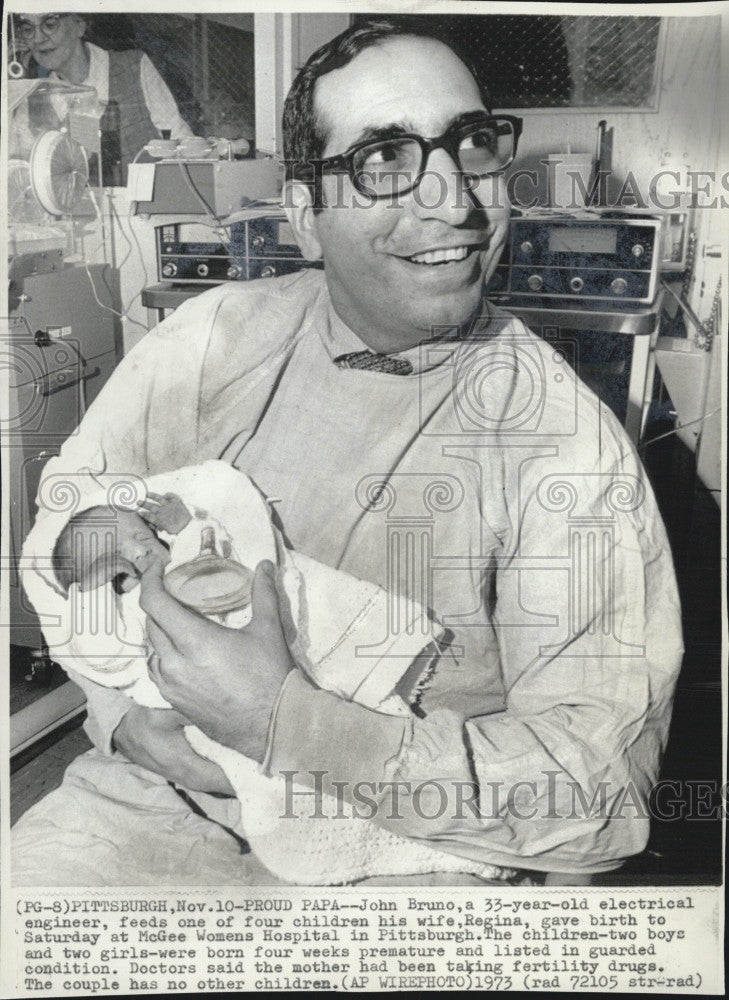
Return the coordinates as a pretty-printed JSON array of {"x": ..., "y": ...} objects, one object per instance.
[
  {"x": 422, "y": 439},
  {"x": 128, "y": 77}
]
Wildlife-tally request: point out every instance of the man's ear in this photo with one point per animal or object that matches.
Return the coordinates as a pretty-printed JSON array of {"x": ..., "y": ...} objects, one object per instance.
[{"x": 298, "y": 203}]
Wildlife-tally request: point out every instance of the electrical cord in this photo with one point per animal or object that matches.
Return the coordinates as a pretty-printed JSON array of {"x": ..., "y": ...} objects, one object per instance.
[
  {"x": 680, "y": 427},
  {"x": 103, "y": 305},
  {"x": 215, "y": 223},
  {"x": 197, "y": 194},
  {"x": 684, "y": 306},
  {"x": 704, "y": 337},
  {"x": 99, "y": 218},
  {"x": 704, "y": 332},
  {"x": 141, "y": 258}
]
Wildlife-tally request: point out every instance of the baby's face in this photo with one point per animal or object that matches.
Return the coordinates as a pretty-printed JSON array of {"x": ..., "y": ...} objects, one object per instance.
[{"x": 124, "y": 548}]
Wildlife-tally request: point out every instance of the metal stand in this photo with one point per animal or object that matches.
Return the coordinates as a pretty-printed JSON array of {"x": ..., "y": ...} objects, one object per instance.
[
  {"x": 157, "y": 299},
  {"x": 639, "y": 322}
]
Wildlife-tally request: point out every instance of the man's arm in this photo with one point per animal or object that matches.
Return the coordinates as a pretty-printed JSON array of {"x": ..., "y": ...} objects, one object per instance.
[
  {"x": 151, "y": 737},
  {"x": 588, "y": 626},
  {"x": 155, "y": 738},
  {"x": 128, "y": 434}
]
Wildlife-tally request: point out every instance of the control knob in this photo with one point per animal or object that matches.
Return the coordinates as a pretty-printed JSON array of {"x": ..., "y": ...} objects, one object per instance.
[
  {"x": 638, "y": 250},
  {"x": 535, "y": 282},
  {"x": 203, "y": 270},
  {"x": 233, "y": 272},
  {"x": 576, "y": 283},
  {"x": 526, "y": 247},
  {"x": 169, "y": 269},
  {"x": 269, "y": 271},
  {"x": 619, "y": 286}
]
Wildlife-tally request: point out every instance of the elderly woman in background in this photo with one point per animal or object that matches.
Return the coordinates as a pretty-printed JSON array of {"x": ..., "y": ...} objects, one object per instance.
[{"x": 147, "y": 109}]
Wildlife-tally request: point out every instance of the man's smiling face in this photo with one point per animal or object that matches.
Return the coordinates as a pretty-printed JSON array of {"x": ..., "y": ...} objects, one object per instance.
[{"x": 398, "y": 268}]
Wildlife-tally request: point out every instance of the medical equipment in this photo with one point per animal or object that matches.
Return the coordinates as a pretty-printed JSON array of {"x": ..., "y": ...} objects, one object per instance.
[
  {"x": 260, "y": 247},
  {"x": 53, "y": 131},
  {"x": 213, "y": 187},
  {"x": 588, "y": 254},
  {"x": 216, "y": 218}
]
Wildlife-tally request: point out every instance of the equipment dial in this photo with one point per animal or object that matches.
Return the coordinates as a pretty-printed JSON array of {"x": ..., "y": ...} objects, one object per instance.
[
  {"x": 203, "y": 270},
  {"x": 619, "y": 286},
  {"x": 269, "y": 271},
  {"x": 535, "y": 282},
  {"x": 258, "y": 241},
  {"x": 233, "y": 272},
  {"x": 526, "y": 247},
  {"x": 638, "y": 250},
  {"x": 576, "y": 283},
  {"x": 169, "y": 270}
]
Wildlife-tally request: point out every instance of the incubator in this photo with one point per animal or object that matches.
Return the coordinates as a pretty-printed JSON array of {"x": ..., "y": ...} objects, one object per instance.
[
  {"x": 61, "y": 339},
  {"x": 53, "y": 157}
]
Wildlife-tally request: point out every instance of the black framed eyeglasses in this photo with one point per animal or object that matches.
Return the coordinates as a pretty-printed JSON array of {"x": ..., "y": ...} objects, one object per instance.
[
  {"x": 393, "y": 165},
  {"x": 47, "y": 25}
]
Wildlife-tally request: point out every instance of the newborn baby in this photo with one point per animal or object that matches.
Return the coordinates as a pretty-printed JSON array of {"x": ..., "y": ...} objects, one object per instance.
[
  {"x": 105, "y": 545},
  {"x": 106, "y": 555}
]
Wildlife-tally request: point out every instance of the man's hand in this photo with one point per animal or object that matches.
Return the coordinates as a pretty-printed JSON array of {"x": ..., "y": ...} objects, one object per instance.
[
  {"x": 154, "y": 738},
  {"x": 151, "y": 582},
  {"x": 224, "y": 680},
  {"x": 165, "y": 512}
]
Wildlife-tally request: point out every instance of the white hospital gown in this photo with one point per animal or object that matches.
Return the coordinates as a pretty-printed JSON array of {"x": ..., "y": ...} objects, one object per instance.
[{"x": 510, "y": 497}]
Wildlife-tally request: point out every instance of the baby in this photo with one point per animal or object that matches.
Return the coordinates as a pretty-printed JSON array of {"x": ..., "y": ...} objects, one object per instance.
[
  {"x": 105, "y": 545},
  {"x": 82, "y": 556},
  {"x": 327, "y": 615}
]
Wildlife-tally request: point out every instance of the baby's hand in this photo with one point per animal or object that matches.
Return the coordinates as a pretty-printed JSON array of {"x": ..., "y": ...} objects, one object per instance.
[{"x": 165, "y": 513}]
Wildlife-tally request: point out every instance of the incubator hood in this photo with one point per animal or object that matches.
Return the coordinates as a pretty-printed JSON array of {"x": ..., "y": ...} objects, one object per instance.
[{"x": 53, "y": 135}]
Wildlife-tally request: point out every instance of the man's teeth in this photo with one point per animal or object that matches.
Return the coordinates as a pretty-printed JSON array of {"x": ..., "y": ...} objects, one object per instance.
[{"x": 440, "y": 256}]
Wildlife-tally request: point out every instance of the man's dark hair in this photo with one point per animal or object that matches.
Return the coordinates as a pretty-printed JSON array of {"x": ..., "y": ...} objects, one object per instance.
[{"x": 304, "y": 133}]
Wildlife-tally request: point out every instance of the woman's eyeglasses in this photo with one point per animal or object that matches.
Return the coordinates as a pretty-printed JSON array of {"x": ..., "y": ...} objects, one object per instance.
[{"x": 47, "y": 26}]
